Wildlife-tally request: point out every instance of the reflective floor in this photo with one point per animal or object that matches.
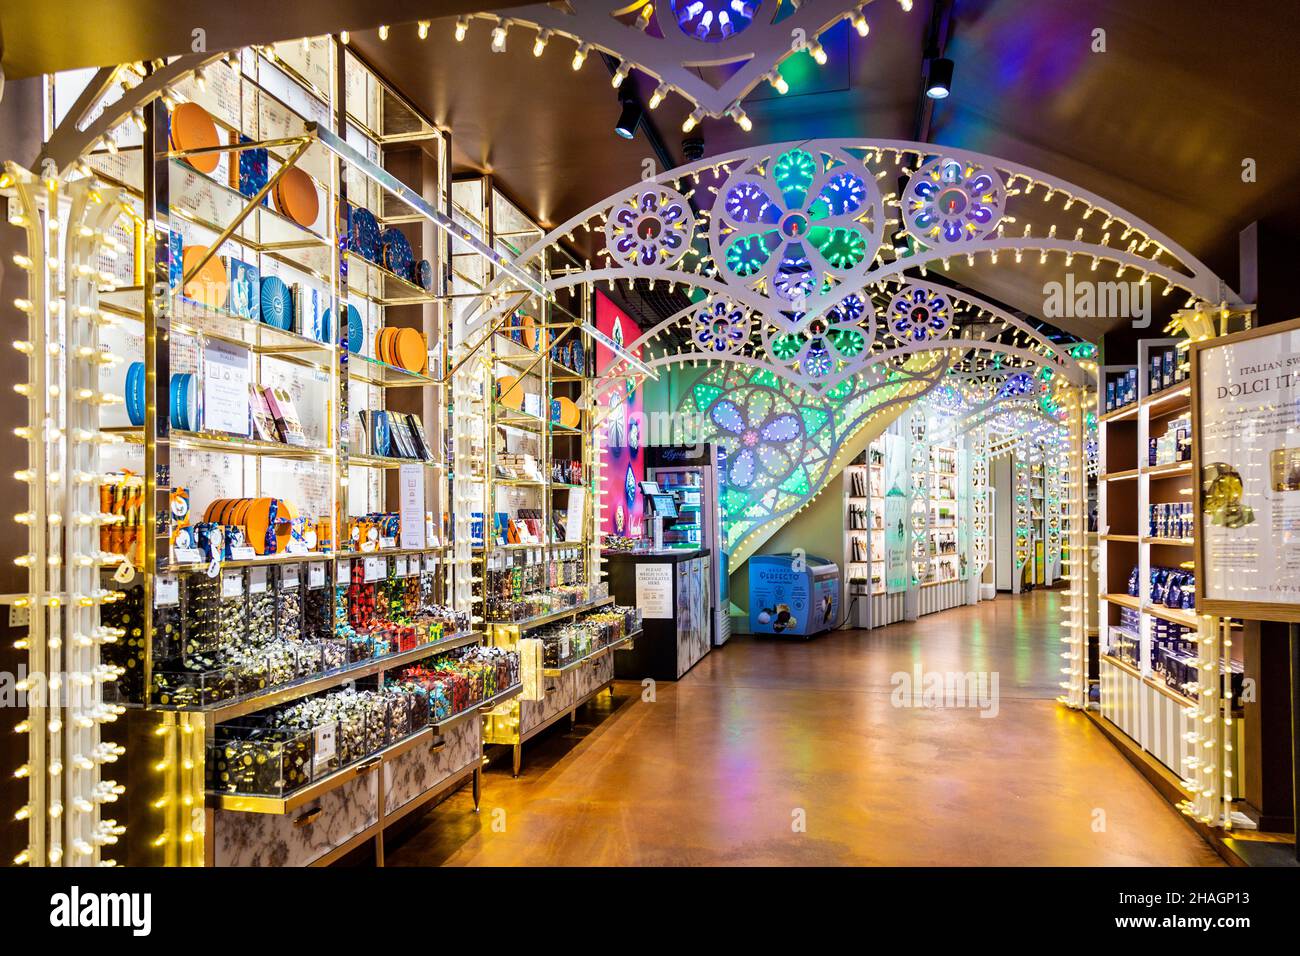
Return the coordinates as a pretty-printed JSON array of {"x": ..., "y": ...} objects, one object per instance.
[{"x": 797, "y": 753}]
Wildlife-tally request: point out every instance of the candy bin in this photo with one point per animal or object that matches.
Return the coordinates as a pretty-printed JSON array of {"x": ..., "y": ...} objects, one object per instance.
[{"x": 257, "y": 759}]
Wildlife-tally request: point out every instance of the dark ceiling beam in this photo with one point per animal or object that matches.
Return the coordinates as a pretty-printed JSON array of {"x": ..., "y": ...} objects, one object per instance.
[
  {"x": 55, "y": 35},
  {"x": 937, "y": 35}
]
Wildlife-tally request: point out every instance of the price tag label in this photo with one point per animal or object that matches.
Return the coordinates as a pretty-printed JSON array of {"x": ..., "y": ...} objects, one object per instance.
[
  {"x": 289, "y": 577},
  {"x": 430, "y": 563},
  {"x": 343, "y": 573},
  {"x": 188, "y": 556},
  {"x": 324, "y": 746},
  {"x": 376, "y": 569},
  {"x": 388, "y": 542},
  {"x": 316, "y": 575},
  {"x": 166, "y": 590},
  {"x": 257, "y": 580},
  {"x": 232, "y": 584},
  {"x": 400, "y": 566},
  {"x": 242, "y": 553},
  {"x": 296, "y": 547}
]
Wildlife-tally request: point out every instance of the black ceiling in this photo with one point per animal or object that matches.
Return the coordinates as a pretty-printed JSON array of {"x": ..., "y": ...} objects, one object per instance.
[{"x": 1159, "y": 123}]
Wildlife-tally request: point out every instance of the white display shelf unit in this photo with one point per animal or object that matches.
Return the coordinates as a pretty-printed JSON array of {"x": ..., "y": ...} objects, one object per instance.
[{"x": 1155, "y": 718}]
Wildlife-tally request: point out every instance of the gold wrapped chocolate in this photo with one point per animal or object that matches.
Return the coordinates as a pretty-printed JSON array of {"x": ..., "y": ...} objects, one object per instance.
[{"x": 1221, "y": 491}]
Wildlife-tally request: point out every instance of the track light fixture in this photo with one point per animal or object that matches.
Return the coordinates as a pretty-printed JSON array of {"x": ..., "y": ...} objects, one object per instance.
[
  {"x": 693, "y": 120},
  {"x": 778, "y": 82},
  {"x": 580, "y": 55},
  {"x": 939, "y": 84},
  {"x": 658, "y": 95},
  {"x": 629, "y": 118},
  {"x": 462, "y": 27},
  {"x": 539, "y": 45}
]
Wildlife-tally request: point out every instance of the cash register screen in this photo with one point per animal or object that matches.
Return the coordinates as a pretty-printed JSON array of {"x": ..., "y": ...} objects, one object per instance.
[{"x": 662, "y": 505}]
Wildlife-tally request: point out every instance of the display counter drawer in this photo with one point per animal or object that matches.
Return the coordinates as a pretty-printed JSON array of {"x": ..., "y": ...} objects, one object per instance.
[
  {"x": 424, "y": 768},
  {"x": 301, "y": 837}
]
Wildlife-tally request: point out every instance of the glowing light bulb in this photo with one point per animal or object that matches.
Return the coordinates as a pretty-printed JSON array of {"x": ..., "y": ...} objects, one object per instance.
[
  {"x": 499, "y": 37},
  {"x": 693, "y": 120},
  {"x": 620, "y": 75},
  {"x": 580, "y": 56},
  {"x": 818, "y": 52},
  {"x": 778, "y": 83},
  {"x": 345, "y": 37},
  {"x": 462, "y": 27},
  {"x": 383, "y": 31},
  {"x": 860, "y": 24},
  {"x": 539, "y": 45}
]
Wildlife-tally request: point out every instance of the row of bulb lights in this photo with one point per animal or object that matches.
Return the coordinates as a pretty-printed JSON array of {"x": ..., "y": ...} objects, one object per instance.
[
  {"x": 501, "y": 27},
  {"x": 107, "y": 831}
]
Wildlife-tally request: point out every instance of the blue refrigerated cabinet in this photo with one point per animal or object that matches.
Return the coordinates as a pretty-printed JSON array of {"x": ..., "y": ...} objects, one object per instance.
[{"x": 793, "y": 595}]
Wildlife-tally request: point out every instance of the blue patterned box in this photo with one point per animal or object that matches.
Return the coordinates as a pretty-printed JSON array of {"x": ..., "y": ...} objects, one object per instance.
[{"x": 244, "y": 293}]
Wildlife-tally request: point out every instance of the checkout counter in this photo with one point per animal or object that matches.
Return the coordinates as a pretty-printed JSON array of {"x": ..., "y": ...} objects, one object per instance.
[{"x": 671, "y": 587}]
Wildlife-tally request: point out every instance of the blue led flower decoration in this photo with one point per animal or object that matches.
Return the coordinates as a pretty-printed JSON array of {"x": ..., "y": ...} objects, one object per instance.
[
  {"x": 918, "y": 314},
  {"x": 796, "y": 219},
  {"x": 951, "y": 200}
]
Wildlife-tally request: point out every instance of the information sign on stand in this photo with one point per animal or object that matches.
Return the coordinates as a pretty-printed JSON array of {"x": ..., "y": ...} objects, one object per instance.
[{"x": 1246, "y": 461}]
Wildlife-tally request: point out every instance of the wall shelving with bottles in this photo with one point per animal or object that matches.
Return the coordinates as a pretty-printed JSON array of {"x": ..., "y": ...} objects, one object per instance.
[{"x": 1152, "y": 639}]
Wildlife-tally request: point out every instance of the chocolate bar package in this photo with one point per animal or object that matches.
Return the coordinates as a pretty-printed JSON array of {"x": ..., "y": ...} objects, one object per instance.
[{"x": 285, "y": 413}]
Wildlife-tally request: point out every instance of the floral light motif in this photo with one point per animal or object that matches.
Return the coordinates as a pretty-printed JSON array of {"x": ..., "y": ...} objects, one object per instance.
[
  {"x": 800, "y": 218},
  {"x": 652, "y": 227},
  {"x": 951, "y": 200},
  {"x": 917, "y": 314},
  {"x": 823, "y": 344},
  {"x": 1020, "y": 383},
  {"x": 714, "y": 20},
  {"x": 721, "y": 326},
  {"x": 765, "y": 428}
]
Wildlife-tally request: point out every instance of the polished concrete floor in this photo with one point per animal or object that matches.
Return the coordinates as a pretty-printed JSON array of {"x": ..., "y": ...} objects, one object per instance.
[{"x": 793, "y": 753}]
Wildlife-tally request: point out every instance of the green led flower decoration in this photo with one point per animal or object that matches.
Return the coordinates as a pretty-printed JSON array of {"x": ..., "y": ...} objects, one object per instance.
[{"x": 797, "y": 219}]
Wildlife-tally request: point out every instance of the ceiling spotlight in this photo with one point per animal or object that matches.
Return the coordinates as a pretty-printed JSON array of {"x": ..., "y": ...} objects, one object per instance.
[
  {"x": 580, "y": 57},
  {"x": 629, "y": 119},
  {"x": 693, "y": 120},
  {"x": 906, "y": 5},
  {"x": 462, "y": 27},
  {"x": 818, "y": 52},
  {"x": 658, "y": 95},
  {"x": 539, "y": 44},
  {"x": 422, "y": 27},
  {"x": 778, "y": 82},
  {"x": 860, "y": 24},
  {"x": 940, "y": 83},
  {"x": 620, "y": 74},
  {"x": 383, "y": 31},
  {"x": 499, "y": 37},
  {"x": 344, "y": 37}
]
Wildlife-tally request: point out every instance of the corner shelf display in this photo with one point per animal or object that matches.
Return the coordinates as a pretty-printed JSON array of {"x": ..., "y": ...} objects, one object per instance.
[
  {"x": 537, "y": 585},
  {"x": 1156, "y": 651},
  {"x": 276, "y": 477}
]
